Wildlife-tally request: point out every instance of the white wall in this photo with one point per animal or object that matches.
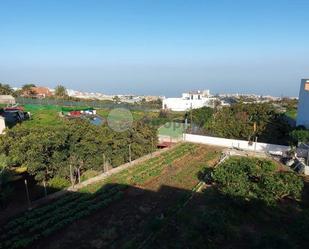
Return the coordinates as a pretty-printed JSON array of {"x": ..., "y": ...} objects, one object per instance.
[
  {"x": 303, "y": 105},
  {"x": 241, "y": 144},
  {"x": 180, "y": 104},
  {"x": 2, "y": 125}
]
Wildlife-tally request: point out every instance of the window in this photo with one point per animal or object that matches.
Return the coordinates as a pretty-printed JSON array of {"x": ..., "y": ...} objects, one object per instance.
[{"x": 307, "y": 86}]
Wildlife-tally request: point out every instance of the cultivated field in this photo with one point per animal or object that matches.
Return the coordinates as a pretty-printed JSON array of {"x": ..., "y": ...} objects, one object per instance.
[{"x": 121, "y": 212}]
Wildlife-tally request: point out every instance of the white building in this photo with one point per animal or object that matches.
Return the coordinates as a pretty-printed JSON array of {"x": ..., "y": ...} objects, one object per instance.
[
  {"x": 7, "y": 99},
  {"x": 303, "y": 104},
  {"x": 190, "y": 100}
]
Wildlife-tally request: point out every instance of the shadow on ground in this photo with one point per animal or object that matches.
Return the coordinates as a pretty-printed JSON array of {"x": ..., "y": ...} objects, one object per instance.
[{"x": 121, "y": 216}]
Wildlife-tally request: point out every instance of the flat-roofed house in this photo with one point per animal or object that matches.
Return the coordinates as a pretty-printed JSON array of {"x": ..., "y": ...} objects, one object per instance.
[
  {"x": 189, "y": 100},
  {"x": 7, "y": 99},
  {"x": 37, "y": 92}
]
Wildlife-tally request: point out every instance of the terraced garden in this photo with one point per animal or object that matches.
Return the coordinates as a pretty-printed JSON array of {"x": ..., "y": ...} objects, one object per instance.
[{"x": 118, "y": 212}]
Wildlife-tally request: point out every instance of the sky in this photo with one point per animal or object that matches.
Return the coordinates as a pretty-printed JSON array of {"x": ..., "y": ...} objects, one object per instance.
[{"x": 156, "y": 47}]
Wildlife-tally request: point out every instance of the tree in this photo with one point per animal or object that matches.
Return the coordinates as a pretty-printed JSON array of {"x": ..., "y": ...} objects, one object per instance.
[
  {"x": 245, "y": 121},
  {"x": 5, "y": 189},
  {"x": 300, "y": 136},
  {"x": 49, "y": 151},
  {"x": 61, "y": 91},
  {"x": 6, "y": 89},
  {"x": 256, "y": 179},
  {"x": 27, "y": 89},
  {"x": 201, "y": 116},
  {"x": 116, "y": 99}
]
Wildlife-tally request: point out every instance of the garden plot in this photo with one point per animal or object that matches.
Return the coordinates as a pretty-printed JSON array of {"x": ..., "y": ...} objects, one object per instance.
[{"x": 117, "y": 212}]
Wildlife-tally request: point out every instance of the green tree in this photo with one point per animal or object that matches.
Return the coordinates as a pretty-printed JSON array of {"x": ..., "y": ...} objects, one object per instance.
[
  {"x": 201, "y": 116},
  {"x": 6, "y": 89},
  {"x": 49, "y": 151},
  {"x": 256, "y": 179},
  {"x": 245, "y": 121},
  {"x": 5, "y": 176},
  {"x": 300, "y": 136},
  {"x": 27, "y": 89},
  {"x": 61, "y": 91}
]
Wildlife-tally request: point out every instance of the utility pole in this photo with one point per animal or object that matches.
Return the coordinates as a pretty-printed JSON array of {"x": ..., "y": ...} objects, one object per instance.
[
  {"x": 255, "y": 144},
  {"x": 191, "y": 118},
  {"x": 27, "y": 194}
]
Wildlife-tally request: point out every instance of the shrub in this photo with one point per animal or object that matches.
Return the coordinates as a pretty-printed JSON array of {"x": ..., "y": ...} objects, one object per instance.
[
  {"x": 58, "y": 183},
  {"x": 89, "y": 174},
  {"x": 250, "y": 178}
]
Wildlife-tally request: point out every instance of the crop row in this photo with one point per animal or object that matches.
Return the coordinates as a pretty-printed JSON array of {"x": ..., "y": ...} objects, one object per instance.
[
  {"x": 40, "y": 222},
  {"x": 155, "y": 169},
  {"x": 42, "y": 210},
  {"x": 58, "y": 220}
]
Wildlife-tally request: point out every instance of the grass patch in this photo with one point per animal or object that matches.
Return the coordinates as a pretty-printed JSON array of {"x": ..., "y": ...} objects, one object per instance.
[{"x": 172, "y": 129}]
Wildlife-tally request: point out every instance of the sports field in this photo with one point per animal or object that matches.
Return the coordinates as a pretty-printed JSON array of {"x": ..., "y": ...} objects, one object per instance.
[{"x": 172, "y": 129}]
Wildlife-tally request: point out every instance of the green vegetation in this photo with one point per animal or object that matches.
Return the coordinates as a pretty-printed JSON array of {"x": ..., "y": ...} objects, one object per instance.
[
  {"x": 41, "y": 222},
  {"x": 256, "y": 179},
  {"x": 5, "y": 176},
  {"x": 172, "y": 129},
  {"x": 291, "y": 107},
  {"x": 244, "y": 121},
  {"x": 43, "y": 116},
  {"x": 6, "y": 89},
  {"x": 300, "y": 135},
  {"x": 251, "y": 204},
  {"x": 201, "y": 117},
  {"x": 50, "y": 150},
  {"x": 61, "y": 91},
  {"x": 36, "y": 224},
  {"x": 292, "y": 114}
]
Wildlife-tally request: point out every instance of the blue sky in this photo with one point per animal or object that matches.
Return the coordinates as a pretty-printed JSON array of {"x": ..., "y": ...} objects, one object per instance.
[{"x": 156, "y": 46}]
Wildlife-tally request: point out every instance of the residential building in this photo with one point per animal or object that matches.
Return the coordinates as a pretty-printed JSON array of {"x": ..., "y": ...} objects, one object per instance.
[
  {"x": 303, "y": 104},
  {"x": 38, "y": 92},
  {"x": 7, "y": 99},
  {"x": 189, "y": 100}
]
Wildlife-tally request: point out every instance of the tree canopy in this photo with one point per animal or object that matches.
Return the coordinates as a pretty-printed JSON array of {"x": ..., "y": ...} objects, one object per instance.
[
  {"x": 49, "y": 151},
  {"x": 6, "y": 89},
  {"x": 60, "y": 91},
  {"x": 300, "y": 135},
  {"x": 243, "y": 121},
  {"x": 256, "y": 179}
]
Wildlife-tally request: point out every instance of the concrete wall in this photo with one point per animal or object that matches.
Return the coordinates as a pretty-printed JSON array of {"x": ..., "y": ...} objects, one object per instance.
[
  {"x": 303, "y": 105},
  {"x": 233, "y": 143},
  {"x": 2, "y": 124},
  {"x": 180, "y": 104}
]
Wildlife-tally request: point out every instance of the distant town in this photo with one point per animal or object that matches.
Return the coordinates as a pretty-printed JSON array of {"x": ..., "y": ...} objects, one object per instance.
[{"x": 201, "y": 97}]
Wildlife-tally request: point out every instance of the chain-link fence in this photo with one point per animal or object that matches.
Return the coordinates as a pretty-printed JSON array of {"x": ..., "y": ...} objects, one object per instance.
[{"x": 93, "y": 104}]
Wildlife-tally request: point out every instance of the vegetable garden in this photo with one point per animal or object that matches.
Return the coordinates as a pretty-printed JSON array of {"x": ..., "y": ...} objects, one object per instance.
[{"x": 34, "y": 225}]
